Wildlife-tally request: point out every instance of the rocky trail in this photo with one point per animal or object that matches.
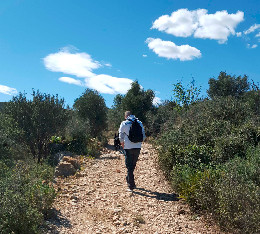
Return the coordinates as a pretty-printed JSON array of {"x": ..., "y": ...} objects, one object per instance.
[{"x": 96, "y": 200}]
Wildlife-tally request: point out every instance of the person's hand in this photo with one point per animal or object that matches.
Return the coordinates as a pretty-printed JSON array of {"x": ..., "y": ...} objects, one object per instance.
[{"x": 123, "y": 144}]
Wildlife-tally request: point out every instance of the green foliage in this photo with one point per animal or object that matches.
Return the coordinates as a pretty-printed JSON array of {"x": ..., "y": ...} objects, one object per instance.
[
  {"x": 91, "y": 107},
  {"x": 56, "y": 139},
  {"x": 186, "y": 96},
  {"x": 77, "y": 134},
  {"x": 116, "y": 113},
  {"x": 138, "y": 101},
  {"x": 26, "y": 196},
  {"x": 253, "y": 99},
  {"x": 238, "y": 193},
  {"x": 227, "y": 85},
  {"x": 210, "y": 152},
  {"x": 229, "y": 191},
  {"x": 38, "y": 119},
  {"x": 9, "y": 133},
  {"x": 158, "y": 117}
]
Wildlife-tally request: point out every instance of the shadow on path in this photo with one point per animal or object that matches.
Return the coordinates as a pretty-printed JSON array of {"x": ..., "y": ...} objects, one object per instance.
[
  {"x": 112, "y": 147},
  {"x": 109, "y": 158},
  {"x": 56, "y": 221},
  {"x": 156, "y": 195}
]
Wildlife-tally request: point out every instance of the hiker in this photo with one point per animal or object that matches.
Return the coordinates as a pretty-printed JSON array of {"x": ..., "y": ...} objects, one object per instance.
[{"x": 131, "y": 135}]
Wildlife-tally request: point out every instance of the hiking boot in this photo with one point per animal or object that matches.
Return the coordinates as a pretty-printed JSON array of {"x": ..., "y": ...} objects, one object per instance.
[{"x": 129, "y": 190}]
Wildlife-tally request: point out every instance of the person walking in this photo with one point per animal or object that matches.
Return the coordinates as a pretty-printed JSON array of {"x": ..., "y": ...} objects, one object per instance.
[{"x": 131, "y": 135}]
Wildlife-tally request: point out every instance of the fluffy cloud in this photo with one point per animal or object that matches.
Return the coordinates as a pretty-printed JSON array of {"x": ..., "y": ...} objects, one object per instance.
[
  {"x": 82, "y": 65},
  {"x": 108, "y": 84},
  {"x": 7, "y": 90},
  {"x": 78, "y": 64},
  {"x": 157, "y": 101},
  {"x": 252, "y": 28},
  {"x": 181, "y": 23},
  {"x": 257, "y": 35},
  {"x": 70, "y": 81},
  {"x": 184, "y": 23},
  {"x": 170, "y": 50}
]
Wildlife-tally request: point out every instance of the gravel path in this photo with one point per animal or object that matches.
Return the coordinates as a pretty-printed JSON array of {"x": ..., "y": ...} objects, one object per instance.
[{"x": 96, "y": 200}]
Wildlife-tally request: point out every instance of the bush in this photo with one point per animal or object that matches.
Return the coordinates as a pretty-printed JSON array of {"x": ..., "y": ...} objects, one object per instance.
[
  {"x": 210, "y": 152},
  {"x": 77, "y": 135},
  {"x": 91, "y": 108},
  {"x": 9, "y": 134},
  {"x": 38, "y": 119},
  {"x": 239, "y": 193},
  {"x": 26, "y": 196},
  {"x": 227, "y": 85},
  {"x": 230, "y": 192},
  {"x": 159, "y": 116}
]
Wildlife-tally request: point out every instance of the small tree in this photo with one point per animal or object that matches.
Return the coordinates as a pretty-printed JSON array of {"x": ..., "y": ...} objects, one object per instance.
[
  {"x": 38, "y": 119},
  {"x": 138, "y": 101},
  {"x": 186, "y": 96},
  {"x": 227, "y": 85},
  {"x": 116, "y": 113},
  {"x": 90, "y": 106},
  {"x": 9, "y": 133}
]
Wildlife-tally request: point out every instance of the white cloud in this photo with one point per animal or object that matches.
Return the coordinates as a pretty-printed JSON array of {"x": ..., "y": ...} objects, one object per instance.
[
  {"x": 239, "y": 34},
  {"x": 170, "y": 50},
  {"x": 251, "y": 46},
  {"x": 181, "y": 23},
  {"x": 69, "y": 61},
  {"x": 108, "y": 64},
  {"x": 157, "y": 101},
  {"x": 257, "y": 35},
  {"x": 185, "y": 23},
  {"x": 218, "y": 26},
  {"x": 144, "y": 55},
  {"x": 78, "y": 64},
  {"x": 70, "y": 81},
  {"x": 109, "y": 84},
  {"x": 252, "y": 28},
  {"x": 7, "y": 90}
]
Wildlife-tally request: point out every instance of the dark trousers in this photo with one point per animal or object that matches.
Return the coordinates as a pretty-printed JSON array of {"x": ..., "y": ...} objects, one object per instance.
[{"x": 131, "y": 157}]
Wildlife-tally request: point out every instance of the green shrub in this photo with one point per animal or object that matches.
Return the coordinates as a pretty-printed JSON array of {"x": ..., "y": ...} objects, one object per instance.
[
  {"x": 26, "y": 197},
  {"x": 159, "y": 116},
  {"x": 77, "y": 134},
  {"x": 230, "y": 192},
  {"x": 37, "y": 119},
  {"x": 196, "y": 186},
  {"x": 227, "y": 147},
  {"x": 91, "y": 108},
  {"x": 210, "y": 152},
  {"x": 239, "y": 193}
]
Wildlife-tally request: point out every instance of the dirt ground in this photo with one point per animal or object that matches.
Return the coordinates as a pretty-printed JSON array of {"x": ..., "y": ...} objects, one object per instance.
[{"x": 96, "y": 200}]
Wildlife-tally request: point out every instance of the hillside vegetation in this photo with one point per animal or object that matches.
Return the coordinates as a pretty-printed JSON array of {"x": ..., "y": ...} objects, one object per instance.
[
  {"x": 208, "y": 148},
  {"x": 32, "y": 131},
  {"x": 210, "y": 151}
]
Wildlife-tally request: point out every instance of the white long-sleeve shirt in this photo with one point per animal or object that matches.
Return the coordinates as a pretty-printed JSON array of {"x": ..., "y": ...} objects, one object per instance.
[{"x": 124, "y": 133}]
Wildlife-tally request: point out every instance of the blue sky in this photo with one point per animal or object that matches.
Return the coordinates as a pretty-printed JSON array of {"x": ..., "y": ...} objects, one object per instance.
[{"x": 63, "y": 46}]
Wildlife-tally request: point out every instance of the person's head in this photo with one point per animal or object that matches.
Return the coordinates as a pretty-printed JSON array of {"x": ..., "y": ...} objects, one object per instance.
[{"x": 127, "y": 113}]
